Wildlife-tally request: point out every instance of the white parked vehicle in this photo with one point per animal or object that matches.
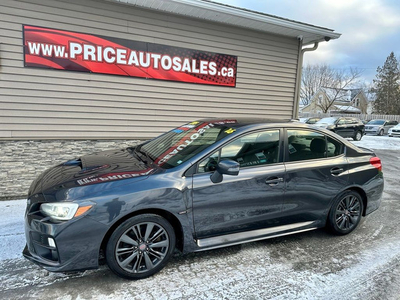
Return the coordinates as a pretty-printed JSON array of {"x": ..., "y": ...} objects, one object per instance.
[{"x": 394, "y": 131}]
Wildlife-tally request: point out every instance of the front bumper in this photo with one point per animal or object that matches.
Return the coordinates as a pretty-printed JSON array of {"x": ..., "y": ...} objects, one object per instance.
[
  {"x": 372, "y": 131},
  {"x": 394, "y": 133},
  {"x": 67, "y": 246}
]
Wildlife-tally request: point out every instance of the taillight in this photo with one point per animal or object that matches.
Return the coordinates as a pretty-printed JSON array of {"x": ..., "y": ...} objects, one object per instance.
[{"x": 376, "y": 162}]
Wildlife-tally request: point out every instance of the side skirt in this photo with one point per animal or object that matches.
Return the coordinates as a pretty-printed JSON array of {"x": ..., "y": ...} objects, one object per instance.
[{"x": 252, "y": 236}]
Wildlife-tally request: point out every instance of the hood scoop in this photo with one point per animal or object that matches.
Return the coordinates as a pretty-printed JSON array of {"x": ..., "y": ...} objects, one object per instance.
[{"x": 73, "y": 162}]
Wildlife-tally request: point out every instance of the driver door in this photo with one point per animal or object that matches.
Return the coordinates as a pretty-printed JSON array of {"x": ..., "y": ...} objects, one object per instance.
[{"x": 251, "y": 200}]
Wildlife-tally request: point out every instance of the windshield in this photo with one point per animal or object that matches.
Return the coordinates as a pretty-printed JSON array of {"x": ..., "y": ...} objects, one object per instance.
[
  {"x": 376, "y": 122},
  {"x": 330, "y": 121},
  {"x": 180, "y": 144}
]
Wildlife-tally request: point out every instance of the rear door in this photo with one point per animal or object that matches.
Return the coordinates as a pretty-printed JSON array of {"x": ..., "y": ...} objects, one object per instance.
[
  {"x": 355, "y": 125},
  {"x": 316, "y": 171}
]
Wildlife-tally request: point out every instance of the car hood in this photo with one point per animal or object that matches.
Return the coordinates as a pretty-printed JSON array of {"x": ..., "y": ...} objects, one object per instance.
[{"x": 106, "y": 166}]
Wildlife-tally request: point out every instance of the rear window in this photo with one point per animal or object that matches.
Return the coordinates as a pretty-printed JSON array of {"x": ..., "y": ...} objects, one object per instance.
[{"x": 307, "y": 144}]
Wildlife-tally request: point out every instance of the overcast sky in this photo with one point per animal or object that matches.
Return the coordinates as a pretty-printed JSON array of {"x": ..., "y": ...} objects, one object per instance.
[{"x": 370, "y": 29}]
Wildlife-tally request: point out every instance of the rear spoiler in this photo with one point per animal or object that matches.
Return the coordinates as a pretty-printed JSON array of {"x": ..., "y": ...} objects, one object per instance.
[{"x": 366, "y": 149}]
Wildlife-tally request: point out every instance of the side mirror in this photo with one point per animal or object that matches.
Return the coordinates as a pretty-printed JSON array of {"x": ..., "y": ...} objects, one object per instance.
[{"x": 228, "y": 167}]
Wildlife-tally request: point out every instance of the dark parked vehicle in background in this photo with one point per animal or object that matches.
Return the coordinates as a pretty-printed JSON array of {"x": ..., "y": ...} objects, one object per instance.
[
  {"x": 207, "y": 184},
  {"x": 347, "y": 127},
  {"x": 379, "y": 127}
]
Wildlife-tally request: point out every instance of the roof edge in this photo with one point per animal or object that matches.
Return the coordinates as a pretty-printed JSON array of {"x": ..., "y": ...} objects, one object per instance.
[{"x": 316, "y": 33}]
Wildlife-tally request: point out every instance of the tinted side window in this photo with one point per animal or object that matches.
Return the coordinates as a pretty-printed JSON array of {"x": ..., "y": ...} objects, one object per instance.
[
  {"x": 254, "y": 149},
  {"x": 334, "y": 147},
  {"x": 305, "y": 144}
]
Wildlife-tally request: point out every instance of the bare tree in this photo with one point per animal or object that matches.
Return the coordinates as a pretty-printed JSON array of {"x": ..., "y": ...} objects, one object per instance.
[
  {"x": 337, "y": 81},
  {"x": 313, "y": 78}
]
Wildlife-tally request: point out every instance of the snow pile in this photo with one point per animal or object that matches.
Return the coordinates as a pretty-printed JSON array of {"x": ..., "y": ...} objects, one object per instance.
[
  {"x": 12, "y": 236},
  {"x": 379, "y": 142}
]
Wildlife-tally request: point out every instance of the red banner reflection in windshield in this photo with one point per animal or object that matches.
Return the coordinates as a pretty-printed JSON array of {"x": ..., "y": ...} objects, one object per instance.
[
  {"x": 193, "y": 133},
  {"x": 185, "y": 141}
]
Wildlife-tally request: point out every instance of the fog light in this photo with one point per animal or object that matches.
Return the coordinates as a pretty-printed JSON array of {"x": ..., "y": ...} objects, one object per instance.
[{"x": 51, "y": 242}]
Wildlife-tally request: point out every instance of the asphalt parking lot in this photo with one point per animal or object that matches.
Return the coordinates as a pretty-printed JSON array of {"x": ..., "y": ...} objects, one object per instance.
[{"x": 311, "y": 265}]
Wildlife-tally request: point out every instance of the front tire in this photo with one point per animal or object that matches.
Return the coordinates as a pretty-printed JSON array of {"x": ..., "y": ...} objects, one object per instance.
[
  {"x": 345, "y": 213},
  {"x": 381, "y": 132},
  {"x": 358, "y": 136},
  {"x": 141, "y": 246}
]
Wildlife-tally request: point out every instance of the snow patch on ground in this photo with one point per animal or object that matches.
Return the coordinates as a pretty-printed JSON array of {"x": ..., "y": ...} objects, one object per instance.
[
  {"x": 12, "y": 236},
  {"x": 379, "y": 142},
  {"x": 350, "y": 281}
]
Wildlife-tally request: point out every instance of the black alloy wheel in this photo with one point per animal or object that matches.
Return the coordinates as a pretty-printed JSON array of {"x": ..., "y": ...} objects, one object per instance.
[
  {"x": 358, "y": 136},
  {"x": 346, "y": 213},
  {"x": 141, "y": 246}
]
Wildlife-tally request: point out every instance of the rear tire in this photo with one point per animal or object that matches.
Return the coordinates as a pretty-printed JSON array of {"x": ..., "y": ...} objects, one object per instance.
[
  {"x": 141, "y": 246},
  {"x": 345, "y": 213},
  {"x": 358, "y": 136}
]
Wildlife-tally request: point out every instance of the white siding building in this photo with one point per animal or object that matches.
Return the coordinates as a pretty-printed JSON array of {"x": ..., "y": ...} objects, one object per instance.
[{"x": 63, "y": 113}]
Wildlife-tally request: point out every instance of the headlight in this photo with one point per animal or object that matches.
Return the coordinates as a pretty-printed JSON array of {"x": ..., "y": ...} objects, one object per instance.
[{"x": 63, "y": 211}]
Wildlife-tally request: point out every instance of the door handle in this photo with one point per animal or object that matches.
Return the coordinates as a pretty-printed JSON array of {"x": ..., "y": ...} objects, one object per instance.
[
  {"x": 273, "y": 180},
  {"x": 336, "y": 171}
]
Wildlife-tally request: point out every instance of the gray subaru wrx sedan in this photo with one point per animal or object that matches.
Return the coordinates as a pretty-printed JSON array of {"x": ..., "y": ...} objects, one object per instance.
[{"x": 207, "y": 184}]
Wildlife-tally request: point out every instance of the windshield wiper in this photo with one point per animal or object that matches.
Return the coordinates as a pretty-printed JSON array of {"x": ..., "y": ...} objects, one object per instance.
[
  {"x": 140, "y": 153},
  {"x": 133, "y": 151}
]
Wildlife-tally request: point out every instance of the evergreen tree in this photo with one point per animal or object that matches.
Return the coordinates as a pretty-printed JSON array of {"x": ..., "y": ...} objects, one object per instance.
[{"x": 387, "y": 87}]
